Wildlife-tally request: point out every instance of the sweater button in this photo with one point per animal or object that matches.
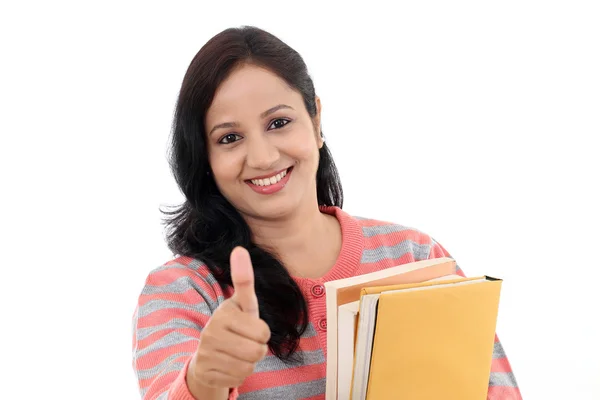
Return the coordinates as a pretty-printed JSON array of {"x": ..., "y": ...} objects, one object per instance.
[
  {"x": 323, "y": 324},
  {"x": 318, "y": 290}
]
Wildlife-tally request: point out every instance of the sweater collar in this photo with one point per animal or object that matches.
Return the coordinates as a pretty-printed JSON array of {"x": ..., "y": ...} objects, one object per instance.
[{"x": 352, "y": 247}]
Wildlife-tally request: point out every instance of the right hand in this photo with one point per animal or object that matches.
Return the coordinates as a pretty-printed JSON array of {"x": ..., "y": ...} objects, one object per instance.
[{"x": 234, "y": 339}]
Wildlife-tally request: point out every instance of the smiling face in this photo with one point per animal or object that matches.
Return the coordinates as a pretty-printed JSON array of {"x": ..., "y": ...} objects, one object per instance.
[{"x": 263, "y": 146}]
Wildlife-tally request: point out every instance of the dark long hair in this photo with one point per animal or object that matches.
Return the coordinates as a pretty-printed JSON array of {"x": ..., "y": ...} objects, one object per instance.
[{"x": 206, "y": 226}]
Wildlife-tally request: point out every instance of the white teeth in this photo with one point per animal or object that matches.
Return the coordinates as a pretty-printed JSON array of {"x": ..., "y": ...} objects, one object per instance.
[{"x": 269, "y": 181}]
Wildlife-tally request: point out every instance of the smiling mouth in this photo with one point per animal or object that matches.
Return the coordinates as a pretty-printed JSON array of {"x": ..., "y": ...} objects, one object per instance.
[{"x": 271, "y": 180}]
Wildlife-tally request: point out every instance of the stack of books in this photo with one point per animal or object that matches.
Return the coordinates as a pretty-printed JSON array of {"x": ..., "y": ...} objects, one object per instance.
[{"x": 414, "y": 331}]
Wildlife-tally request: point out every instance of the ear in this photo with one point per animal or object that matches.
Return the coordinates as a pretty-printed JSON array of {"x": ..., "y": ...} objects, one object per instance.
[{"x": 317, "y": 120}]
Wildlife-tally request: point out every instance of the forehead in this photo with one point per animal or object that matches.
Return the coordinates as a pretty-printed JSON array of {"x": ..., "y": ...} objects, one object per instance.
[{"x": 248, "y": 91}]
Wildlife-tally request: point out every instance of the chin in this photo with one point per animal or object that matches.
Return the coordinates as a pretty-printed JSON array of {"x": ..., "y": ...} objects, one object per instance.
[{"x": 274, "y": 208}]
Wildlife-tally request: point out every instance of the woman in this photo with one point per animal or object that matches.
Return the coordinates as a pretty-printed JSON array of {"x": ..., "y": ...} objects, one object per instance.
[{"x": 241, "y": 312}]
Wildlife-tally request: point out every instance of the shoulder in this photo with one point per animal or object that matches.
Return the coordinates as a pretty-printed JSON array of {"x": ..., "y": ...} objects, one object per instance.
[
  {"x": 182, "y": 280},
  {"x": 386, "y": 230},
  {"x": 181, "y": 268},
  {"x": 396, "y": 240},
  {"x": 377, "y": 230}
]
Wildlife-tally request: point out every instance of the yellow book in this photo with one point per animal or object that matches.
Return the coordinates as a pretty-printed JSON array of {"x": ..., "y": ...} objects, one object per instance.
[
  {"x": 348, "y": 321},
  {"x": 347, "y": 290},
  {"x": 429, "y": 340}
]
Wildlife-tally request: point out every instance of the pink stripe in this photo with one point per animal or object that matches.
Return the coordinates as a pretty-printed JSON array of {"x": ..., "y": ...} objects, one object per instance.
[
  {"x": 372, "y": 222},
  {"x": 170, "y": 275},
  {"x": 504, "y": 393},
  {"x": 501, "y": 365},
  {"x": 190, "y": 294},
  {"x": 142, "y": 344},
  {"x": 310, "y": 344}
]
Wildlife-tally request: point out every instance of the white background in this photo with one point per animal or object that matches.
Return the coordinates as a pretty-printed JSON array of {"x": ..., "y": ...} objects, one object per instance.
[{"x": 475, "y": 122}]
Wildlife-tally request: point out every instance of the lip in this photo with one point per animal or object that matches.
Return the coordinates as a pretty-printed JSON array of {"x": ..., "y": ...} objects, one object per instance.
[{"x": 274, "y": 188}]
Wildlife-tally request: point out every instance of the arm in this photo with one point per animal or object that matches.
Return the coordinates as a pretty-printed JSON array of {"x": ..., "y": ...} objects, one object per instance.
[
  {"x": 173, "y": 308},
  {"x": 503, "y": 385}
]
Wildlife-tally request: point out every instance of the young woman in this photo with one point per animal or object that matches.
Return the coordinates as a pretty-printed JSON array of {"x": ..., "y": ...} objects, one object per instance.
[{"x": 240, "y": 313}]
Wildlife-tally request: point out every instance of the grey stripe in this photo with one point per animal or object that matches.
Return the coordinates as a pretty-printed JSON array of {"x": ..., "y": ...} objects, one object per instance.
[
  {"x": 180, "y": 285},
  {"x": 310, "y": 331},
  {"x": 193, "y": 266},
  {"x": 163, "y": 396},
  {"x": 498, "y": 351},
  {"x": 163, "y": 367},
  {"x": 155, "y": 305},
  {"x": 503, "y": 379},
  {"x": 294, "y": 391},
  {"x": 175, "y": 323},
  {"x": 272, "y": 363},
  {"x": 197, "y": 264},
  {"x": 171, "y": 339},
  {"x": 370, "y": 231},
  {"x": 419, "y": 251}
]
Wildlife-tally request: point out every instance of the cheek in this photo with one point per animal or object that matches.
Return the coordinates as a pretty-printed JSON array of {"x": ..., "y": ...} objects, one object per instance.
[
  {"x": 225, "y": 167},
  {"x": 303, "y": 148}
]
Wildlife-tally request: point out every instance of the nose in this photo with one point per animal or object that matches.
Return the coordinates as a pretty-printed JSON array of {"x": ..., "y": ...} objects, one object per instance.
[{"x": 262, "y": 154}]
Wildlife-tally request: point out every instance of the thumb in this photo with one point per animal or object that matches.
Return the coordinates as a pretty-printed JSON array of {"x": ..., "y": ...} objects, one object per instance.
[{"x": 242, "y": 276}]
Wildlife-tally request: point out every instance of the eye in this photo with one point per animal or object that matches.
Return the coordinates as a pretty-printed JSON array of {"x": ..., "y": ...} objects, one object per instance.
[
  {"x": 279, "y": 123},
  {"x": 230, "y": 138}
]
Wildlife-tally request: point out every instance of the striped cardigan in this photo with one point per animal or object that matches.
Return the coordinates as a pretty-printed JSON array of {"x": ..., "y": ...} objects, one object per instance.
[{"x": 179, "y": 297}]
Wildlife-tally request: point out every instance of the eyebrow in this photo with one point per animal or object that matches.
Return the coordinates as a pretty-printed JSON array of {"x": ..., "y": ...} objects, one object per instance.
[{"x": 262, "y": 115}]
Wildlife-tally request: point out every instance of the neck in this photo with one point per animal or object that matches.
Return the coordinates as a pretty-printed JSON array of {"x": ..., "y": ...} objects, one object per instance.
[{"x": 307, "y": 241}]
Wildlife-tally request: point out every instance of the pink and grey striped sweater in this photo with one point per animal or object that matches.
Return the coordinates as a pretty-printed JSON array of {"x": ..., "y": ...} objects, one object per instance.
[{"x": 179, "y": 297}]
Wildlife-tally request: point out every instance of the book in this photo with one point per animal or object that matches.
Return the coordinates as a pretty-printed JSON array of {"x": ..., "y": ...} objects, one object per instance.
[
  {"x": 344, "y": 291},
  {"x": 347, "y": 328},
  {"x": 347, "y": 331},
  {"x": 426, "y": 340}
]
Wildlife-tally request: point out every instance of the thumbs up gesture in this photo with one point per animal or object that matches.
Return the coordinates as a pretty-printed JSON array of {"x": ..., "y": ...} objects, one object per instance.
[
  {"x": 233, "y": 340},
  {"x": 242, "y": 276}
]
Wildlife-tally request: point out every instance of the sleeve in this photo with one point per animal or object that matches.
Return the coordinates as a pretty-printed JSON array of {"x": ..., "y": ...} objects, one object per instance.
[
  {"x": 503, "y": 384},
  {"x": 175, "y": 304}
]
